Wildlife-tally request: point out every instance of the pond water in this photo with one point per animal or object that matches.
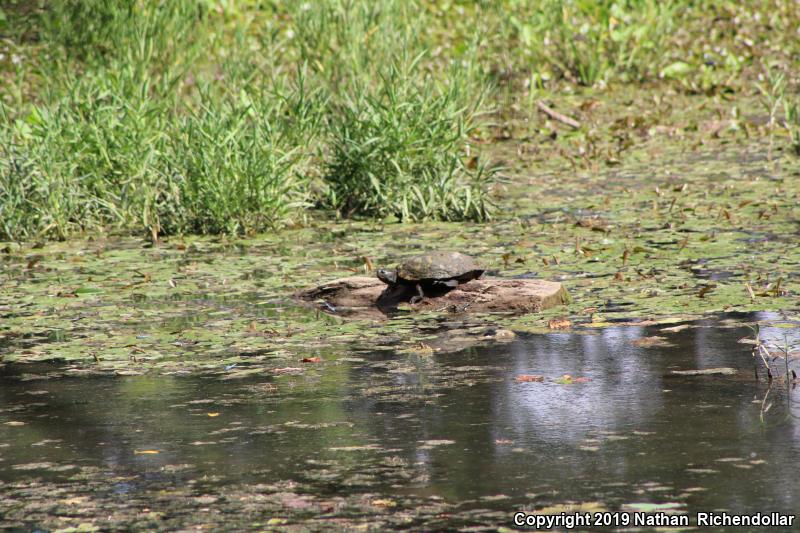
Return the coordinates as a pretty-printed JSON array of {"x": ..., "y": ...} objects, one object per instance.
[{"x": 381, "y": 440}]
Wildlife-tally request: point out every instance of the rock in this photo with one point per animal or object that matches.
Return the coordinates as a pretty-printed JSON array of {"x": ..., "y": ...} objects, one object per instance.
[
  {"x": 355, "y": 291},
  {"x": 365, "y": 295},
  {"x": 500, "y": 334}
]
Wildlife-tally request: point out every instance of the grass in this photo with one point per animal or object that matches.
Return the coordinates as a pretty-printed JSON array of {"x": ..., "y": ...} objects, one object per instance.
[
  {"x": 136, "y": 127},
  {"x": 399, "y": 149},
  {"x": 180, "y": 117},
  {"x": 241, "y": 164},
  {"x": 791, "y": 116},
  {"x": 703, "y": 46},
  {"x": 781, "y": 106},
  {"x": 590, "y": 42}
]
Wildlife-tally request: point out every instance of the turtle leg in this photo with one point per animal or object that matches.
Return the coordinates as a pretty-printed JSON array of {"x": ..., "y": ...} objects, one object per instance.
[
  {"x": 419, "y": 296},
  {"x": 441, "y": 287}
]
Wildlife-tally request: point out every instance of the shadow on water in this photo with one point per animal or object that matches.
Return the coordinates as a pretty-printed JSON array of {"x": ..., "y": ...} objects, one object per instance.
[{"x": 458, "y": 428}]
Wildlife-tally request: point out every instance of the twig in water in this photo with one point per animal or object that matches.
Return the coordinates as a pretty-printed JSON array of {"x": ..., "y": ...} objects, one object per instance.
[
  {"x": 555, "y": 115},
  {"x": 764, "y": 405}
]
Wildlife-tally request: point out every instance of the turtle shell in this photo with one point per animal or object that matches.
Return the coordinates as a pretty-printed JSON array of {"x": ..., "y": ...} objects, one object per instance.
[{"x": 439, "y": 266}]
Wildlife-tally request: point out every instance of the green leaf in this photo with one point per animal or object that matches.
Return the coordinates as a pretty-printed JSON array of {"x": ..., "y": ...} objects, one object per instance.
[
  {"x": 676, "y": 70},
  {"x": 88, "y": 290}
]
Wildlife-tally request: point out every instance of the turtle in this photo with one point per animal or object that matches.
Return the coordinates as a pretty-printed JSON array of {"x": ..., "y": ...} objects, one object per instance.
[{"x": 432, "y": 272}]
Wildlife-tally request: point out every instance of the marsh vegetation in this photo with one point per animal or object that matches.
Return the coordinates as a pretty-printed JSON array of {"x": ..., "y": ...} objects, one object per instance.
[
  {"x": 240, "y": 117},
  {"x": 172, "y": 172}
]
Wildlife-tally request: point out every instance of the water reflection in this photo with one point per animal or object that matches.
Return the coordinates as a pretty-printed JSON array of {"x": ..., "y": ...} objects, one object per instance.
[{"x": 457, "y": 426}]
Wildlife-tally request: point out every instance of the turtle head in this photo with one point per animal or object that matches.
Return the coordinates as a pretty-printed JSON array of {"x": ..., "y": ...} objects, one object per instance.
[{"x": 389, "y": 277}]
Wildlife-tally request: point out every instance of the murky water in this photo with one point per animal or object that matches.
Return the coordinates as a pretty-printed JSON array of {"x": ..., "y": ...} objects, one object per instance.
[{"x": 426, "y": 442}]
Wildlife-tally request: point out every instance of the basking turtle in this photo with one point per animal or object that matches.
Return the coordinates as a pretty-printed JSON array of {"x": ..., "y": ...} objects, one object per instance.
[{"x": 432, "y": 272}]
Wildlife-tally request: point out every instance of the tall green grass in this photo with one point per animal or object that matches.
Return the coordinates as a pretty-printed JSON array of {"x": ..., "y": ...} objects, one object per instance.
[
  {"x": 346, "y": 41},
  {"x": 89, "y": 149},
  {"x": 100, "y": 156},
  {"x": 399, "y": 149},
  {"x": 206, "y": 116},
  {"x": 792, "y": 114},
  {"x": 589, "y": 41},
  {"x": 398, "y": 121},
  {"x": 165, "y": 117},
  {"x": 242, "y": 165},
  {"x": 86, "y": 158},
  {"x": 782, "y": 106}
]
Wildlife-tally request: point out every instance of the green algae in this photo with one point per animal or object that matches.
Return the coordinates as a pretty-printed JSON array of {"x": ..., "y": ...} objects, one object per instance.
[{"x": 679, "y": 225}]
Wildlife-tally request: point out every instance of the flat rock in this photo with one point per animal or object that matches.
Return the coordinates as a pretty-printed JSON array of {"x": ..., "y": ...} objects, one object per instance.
[{"x": 363, "y": 295}]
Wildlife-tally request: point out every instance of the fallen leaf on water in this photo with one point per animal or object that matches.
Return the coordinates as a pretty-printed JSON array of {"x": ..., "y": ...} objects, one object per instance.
[
  {"x": 647, "y": 342},
  {"x": 676, "y": 329},
  {"x": 146, "y": 452},
  {"x": 705, "y": 290},
  {"x": 74, "y": 501},
  {"x": 311, "y": 360},
  {"x": 87, "y": 290},
  {"x": 695, "y": 489},
  {"x": 594, "y": 224},
  {"x": 212, "y": 414},
  {"x": 436, "y": 442},
  {"x": 45, "y": 442},
  {"x": 384, "y": 503},
  {"x": 702, "y": 471},
  {"x": 525, "y": 378},
  {"x": 354, "y": 448},
  {"x": 567, "y": 379},
  {"x": 559, "y": 323},
  {"x": 646, "y": 507},
  {"x": 494, "y": 497},
  {"x": 33, "y": 466},
  {"x": 127, "y": 373},
  {"x": 577, "y": 507},
  {"x": 287, "y": 370},
  {"x": 419, "y": 349}
]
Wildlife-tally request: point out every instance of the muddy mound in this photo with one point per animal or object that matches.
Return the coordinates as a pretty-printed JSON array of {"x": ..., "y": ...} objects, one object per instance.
[{"x": 361, "y": 295}]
